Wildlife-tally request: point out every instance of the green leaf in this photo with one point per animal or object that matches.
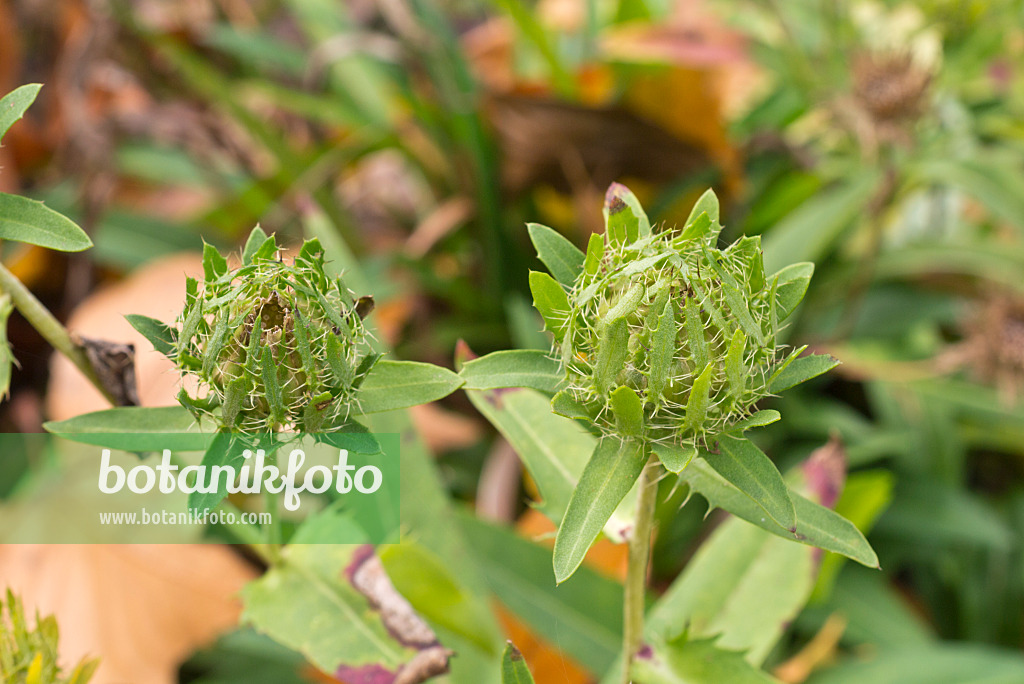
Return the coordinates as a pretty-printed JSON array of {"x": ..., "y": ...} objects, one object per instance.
[
  {"x": 551, "y": 301},
  {"x": 135, "y": 428},
  {"x": 949, "y": 663},
  {"x": 563, "y": 259},
  {"x": 628, "y": 409},
  {"x": 673, "y": 456},
  {"x": 815, "y": 524},
  {"x": 608, "y": 477},
  {"x": 743, "y": 585},
  {"x": 663, "y": 351},
  {"x": 624, "y": 218},
  {"x": 706, "y": 204},
  {"x": 699, "y": 229},
  {"x": 759, "y": 419},
  {"x": 748, "y": 469},
  {"x": 801, "y": 370},
  {"x": 696, "y": 339},
  {"x": 611, "y": 354},
  {"x": 308, "y": 603},
  {"x": 422, "y": 578},
  {"x": 553, "y": 449},
  {"x": 808, "y": 233},
  {"x": 513, "y": 667},
  {"x": 252, "y": 245},
  {"x": 584, "y": 617},
  {"x": 695, "y": 661},
  {"x": 738, "y": 305},
  {"x": 400, "y": 384},
  {"x": 214, "y": 263},
  {"x": 224, "y": 450},
  {"x": 595, "y": 252},
  {"x": 7, "y": 359},
  {"x": 697, "y": 402},
  {"x": 565, "y": 404},
  {"x": 160, "y": 335},
  {"x": 994, "y": 183},
  {"x": 793, "y": 282},
  {"x": 14, "y": 104},
  {"x": 735, "y": 371},
  {"x": 513, "y": 368},
  {"x": 273, "y": 391},
  {"x": 26, "y": 220}
]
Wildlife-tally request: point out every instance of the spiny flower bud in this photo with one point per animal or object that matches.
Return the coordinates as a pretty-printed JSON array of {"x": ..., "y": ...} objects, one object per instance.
[
  {"x": 662, "y": 335},
  {"x": 273, "y": 345}
]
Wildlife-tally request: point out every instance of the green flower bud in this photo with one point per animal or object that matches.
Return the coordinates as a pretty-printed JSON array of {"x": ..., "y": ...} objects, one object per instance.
[
  {"x": 274, "y": 346},
  {"x": 662, "y": 335}
]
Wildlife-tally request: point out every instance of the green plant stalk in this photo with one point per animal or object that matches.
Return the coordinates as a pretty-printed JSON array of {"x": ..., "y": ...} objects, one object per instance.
[
  {"x": 40, "y": 318},
  {"x": 272, "y": 503},
  {"x": 636, "y": 569}
]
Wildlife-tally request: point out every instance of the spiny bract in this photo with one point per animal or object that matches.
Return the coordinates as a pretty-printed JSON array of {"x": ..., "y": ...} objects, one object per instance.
[
  {"x": 273, "y": 345},
  {"x": 661, "y": 335}
]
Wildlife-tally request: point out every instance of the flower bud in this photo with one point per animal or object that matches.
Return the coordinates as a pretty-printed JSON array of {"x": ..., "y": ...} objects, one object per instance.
[
  {"x": 662, "y": 335},
  {"x": 273, "y": 345}
]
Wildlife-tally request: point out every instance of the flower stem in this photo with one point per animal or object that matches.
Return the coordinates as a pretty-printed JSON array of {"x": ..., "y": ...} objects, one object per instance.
[
  {"x": 636, "y": 570},
  {"x": 40, "y": 318}
]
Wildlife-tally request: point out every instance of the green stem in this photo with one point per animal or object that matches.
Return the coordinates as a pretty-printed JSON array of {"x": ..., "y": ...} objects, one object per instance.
[
  {"x": 40, "y": 318},
  {"x": 636, "y": 570},
  {"x": 273, "y": 505}
]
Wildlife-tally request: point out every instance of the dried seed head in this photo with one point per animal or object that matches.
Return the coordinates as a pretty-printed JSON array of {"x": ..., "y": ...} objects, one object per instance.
[
  {"x": 890, "y": 87},
  {"x": 662, "y": 334},
  {"x": 273, "y": 345},
  {"x": 994, "y": 344}
]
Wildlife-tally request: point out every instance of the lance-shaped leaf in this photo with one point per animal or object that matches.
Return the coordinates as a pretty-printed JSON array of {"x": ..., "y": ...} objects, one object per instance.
[
  {"x": 563, "y": 259},
  {"x": 697, "y": 403},
  {"x": 815, "y": 526},
  {"x": 624, "y": 218},
  {"x": 698, "y": 229},
  {"x": 722, "y": 591},
  {"x": 252, "y": 245},
  {"x": 629, "y": 411},
  {"x": 426, "y": 581},
  {"x": 214, "y": 263},
  {"x": 748, "y": 469},
  {"x": 706, "y": 204},
  {"x": 513, "y": 667},
  {"x": 695, "y": 661},
  {"x": 513, "y": 368},
  {"x": 696, "y": 340},
  {"x": 394, "y": 385},
  {"x": 336, "y": 605},
  {"x": 663, "y": 350},
  {"x": 735, "y": 371},
  {"x": 551, "y": 301},
  {"x": 801, "y": 370},
  {"x": 675, "y": 457},
  {"x": 159, "y": 334},
  {"x": 595, "y": 252},
  {"x": 135, "y": 428},
  {"x": 26, "y": 220},
  {"x": 608, "y": 477},
  {"x": 14, "y": 104},
  {"x": 553, "y": 449},
  {"x": 611, "y": 354},
  {"x": 758, "y": 419},
  {"x": 792, "y": 286}
]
